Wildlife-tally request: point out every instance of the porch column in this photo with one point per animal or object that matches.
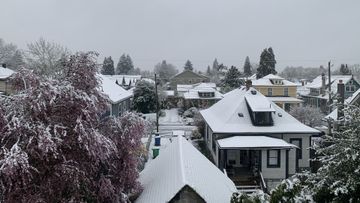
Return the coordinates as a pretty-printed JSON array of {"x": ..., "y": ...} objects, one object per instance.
[{"x": 222, "y": 159}]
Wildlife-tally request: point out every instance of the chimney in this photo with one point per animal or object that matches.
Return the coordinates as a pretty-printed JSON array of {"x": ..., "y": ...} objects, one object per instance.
[
  {"x": 248, "y": 84},
  {"x": 302, "y": 82},
  {"x": 3, "y": 65},
  {"x": 323, "y": 84},
  {"x": 341, "y": 97}
]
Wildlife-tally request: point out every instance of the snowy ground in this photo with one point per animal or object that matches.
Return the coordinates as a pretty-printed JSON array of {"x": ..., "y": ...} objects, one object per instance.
[
  {"x": 171, "y": 117},
  {"x": 172, "y": 121}
]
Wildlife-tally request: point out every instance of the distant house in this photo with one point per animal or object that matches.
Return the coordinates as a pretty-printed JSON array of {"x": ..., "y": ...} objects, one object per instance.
[
  {"x": 5, "y": 73},
  {"x": 282, "y": 92},
  {"x": 256, "y": 142},
  {"x": 318, "y": 90},
  {"x": 187, "y": 77},
  {"x": 119, "y": 97},
  {"x": 182, "y": 174},
  {"x": 201, "y": 95}
]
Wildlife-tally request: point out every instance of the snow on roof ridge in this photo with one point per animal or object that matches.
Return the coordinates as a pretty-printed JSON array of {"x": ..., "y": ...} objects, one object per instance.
[{"x": 182, "y": 169}]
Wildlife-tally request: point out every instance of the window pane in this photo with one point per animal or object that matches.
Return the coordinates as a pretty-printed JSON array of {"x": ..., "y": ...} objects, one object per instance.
[{"x": 273, "y": 161}]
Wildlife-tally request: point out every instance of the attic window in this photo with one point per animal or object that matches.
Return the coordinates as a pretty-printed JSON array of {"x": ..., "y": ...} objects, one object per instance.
[
  {"x": 253, "y": 92},
  {"x": 240, "y": 114}
]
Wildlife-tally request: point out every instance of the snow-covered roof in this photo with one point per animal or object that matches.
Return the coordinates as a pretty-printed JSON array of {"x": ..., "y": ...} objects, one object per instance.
[
  {"x": 193, "y": 94},
  {"x": 5, "y": 72},
  {"x": 317, "y": 82},
  {"x": 169, "y": 93},
  {"x": 180, "y": 164},
  {"x": 127, "y": 78},
  {"x": 183, "y": 88},
  {"x": 272, "y": 76},
  {"x": 284, "y": 99},
  {"x": 267, "y": 81},
  {"x": 350, "y": 101},
  {"x": 258, "y": 102},
  {"x": 114, "y": 91},
  {"x": 223, "y": 117},
  {"x": 253, "y": 142}
]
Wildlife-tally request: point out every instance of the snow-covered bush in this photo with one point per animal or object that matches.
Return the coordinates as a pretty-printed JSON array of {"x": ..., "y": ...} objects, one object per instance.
[
  {"x": 55, "y": 147},
  {"x": 190, "y": 112},
  {"x": 257, "y": 197},
  {"x": 290, "y": 190},
  {"x": 144, "y": 97}
]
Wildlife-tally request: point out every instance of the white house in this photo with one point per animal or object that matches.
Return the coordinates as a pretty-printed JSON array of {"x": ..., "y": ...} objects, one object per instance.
[
  {"x": 182, "y": 174},
  {"x": 255, "y": 141},
  {"x": 119, "y": 97}
]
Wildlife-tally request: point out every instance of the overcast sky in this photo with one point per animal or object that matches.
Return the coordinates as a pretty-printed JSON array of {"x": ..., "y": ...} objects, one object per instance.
[{"x": 306, "y": 32}]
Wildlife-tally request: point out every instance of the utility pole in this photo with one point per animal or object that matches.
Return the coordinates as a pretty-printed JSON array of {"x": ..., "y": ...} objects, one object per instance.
[
  {"x": 329, "y": 76},
  {"x": 157, "y": 105}
]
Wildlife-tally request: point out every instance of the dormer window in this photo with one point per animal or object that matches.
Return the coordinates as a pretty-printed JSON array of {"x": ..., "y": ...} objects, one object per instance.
[
  {"x": 260, "y": 110},
  {"x": 206, "y": 94}
]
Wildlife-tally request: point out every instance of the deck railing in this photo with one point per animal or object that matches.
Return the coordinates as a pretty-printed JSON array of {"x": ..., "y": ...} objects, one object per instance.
[{"x": 262, "y": 182}]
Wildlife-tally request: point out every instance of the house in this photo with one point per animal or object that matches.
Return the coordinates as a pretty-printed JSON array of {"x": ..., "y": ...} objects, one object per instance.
[
  {"x": 318, "y": 94},
  {"x": 119, "y": 97},
  {"x": 5, "y": 73},
  {"x": 201, "y": 95},
  {"x": 253, "y": 140},
  {"x": 180, "y": 173},
  {"x": 282, "y": 92},
  {"x": 187, "y": 77}
]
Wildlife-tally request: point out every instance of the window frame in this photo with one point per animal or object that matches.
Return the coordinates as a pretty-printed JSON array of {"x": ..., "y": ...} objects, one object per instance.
[
  {"x": 278, "y": 164},
  {"x": 286, "y": 93}
]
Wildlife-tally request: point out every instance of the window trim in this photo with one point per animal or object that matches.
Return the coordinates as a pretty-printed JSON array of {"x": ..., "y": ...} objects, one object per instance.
[
  {"x": 270, "y": 91},
  {"x": 278, "y": 159},
  {"x": 287, "y": 91},
  {"x": 298, "y": 150}
]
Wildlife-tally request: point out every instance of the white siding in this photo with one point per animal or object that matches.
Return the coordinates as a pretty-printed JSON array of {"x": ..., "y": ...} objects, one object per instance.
[
  {"x": 273, "y": 173},
  {"x": 304, "y": 162}
]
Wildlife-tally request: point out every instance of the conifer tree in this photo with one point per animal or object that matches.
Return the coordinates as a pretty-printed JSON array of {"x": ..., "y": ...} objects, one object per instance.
[
  {"x": 208, "y": 71},
  {"x": 125, "y": 65},
  {"x": 108, "y": 66},
  {"x": 188, "y": 66},
  {"x": 247, "y": 67},
  {"x": 267, "y": 63},
  {"x": 232, "y": 78},
  {"x": 215, "y": 66},
  {"x": 344, "y": 70}
]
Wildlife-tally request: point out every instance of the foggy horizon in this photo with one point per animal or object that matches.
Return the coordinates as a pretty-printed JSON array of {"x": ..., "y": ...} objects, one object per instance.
[{"x": 305, "y": 33}]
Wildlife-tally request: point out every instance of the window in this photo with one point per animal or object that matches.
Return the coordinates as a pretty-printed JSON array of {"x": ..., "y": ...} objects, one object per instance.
[
  {"x": 273, "y": 158},
  {"x": 269, "y": 91},
  {"x": 286, "y": 91},
  {"x": 298, "y": 143}
]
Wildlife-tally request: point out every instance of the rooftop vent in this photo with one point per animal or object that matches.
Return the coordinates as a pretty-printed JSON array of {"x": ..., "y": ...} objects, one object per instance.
[
  {"x": 253, "y": 92},
  {"x": 240, "y": 114},
  {"x": 279, "y": 114}
]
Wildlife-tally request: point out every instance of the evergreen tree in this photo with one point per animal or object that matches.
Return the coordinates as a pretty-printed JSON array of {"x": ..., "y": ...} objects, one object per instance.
[
  {"x": 338, "y": 179},
  {"x": 188, "y": 66},
  {"x": 208, "y": 71},
  {"x": 108, "y": 66},
  {"x": 232, "y": 78},
  {"x": 267, "y": 63},
  {"x": 123, "y": 83},
  {"x": 165, "y": 71},
  {"x": 125, "y": 65},
  {"x": 344, "y": 70},
  {"x": 144, "y": 97},
  {"x": 247, "y": 67},
  {"x": 215, "y": 66}
]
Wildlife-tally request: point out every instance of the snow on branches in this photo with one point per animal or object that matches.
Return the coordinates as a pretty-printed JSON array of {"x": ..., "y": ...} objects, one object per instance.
[{"x": 55, "y": 147}]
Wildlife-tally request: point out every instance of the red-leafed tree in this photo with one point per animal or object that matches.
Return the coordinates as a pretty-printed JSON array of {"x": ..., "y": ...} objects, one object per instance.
[{"x": 56, "y": 147}]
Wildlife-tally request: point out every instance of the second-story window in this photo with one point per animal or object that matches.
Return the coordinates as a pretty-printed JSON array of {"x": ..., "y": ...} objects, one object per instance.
[
  {"x": 269, "y": 91},
  {"x": 286, "y": 91}
]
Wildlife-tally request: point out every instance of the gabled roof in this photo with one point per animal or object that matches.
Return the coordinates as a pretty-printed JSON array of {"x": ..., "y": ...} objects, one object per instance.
[
  {"x": 180, "y": 164},
  {"x": 192, "y": 91},
  {"x": 267, "y": 81},
  {"x": 223, "y": 117},
  {"x": 5, "y": 72},
  {"x": 317, "y": 82},
  {"x": 191, "y": 72},
  {"x": 114, "y": 91}
]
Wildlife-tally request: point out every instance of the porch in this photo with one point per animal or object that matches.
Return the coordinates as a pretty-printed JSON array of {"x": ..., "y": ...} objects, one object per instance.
[{"x": 243, "y": 158}]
